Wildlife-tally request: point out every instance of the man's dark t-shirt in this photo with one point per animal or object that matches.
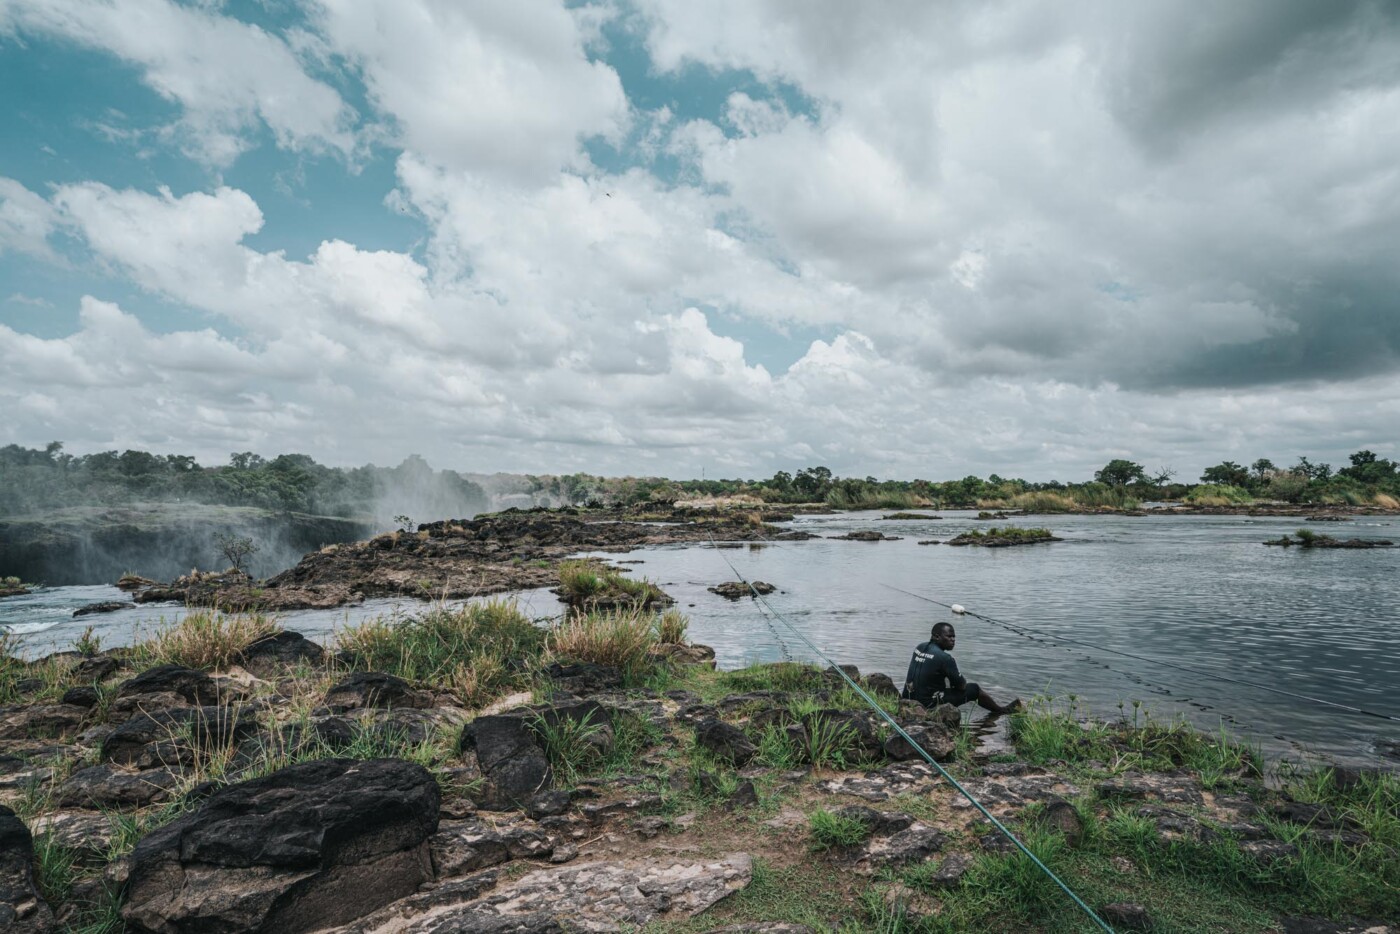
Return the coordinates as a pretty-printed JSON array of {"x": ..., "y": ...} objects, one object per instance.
[{"x": 932, "y": 671}]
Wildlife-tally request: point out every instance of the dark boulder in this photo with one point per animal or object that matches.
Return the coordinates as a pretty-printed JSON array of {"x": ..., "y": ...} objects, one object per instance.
[
  {"x": 584, "y": 678},
  {"x": 373, "y": 689},
  {"x": 511, "y": 760},
  {"x": 735, "y": 590},
  {"x": 724, "y": 741},
  {"x": 313, "y": 846},
  {"x": 105, "y": 786},
  {"x": 745, "y": 796},
  {"x": 84, "y": 695},
  {"x": 878, "y": 683},
  {"x": 106, "y": 606},
  {"x": 22, "y": 909},
  {"x": 147, "y": 739},
  {"x": 95, "y": 668},
  {"x": 192, "y": 686},
  {"x": 278, "y": 650},
  {"x": 937, "y": 740},
  {"x": 1127, "y": 916},
  {"x": 548, "y": 804},
  {"x": 1062, "y": 816}
]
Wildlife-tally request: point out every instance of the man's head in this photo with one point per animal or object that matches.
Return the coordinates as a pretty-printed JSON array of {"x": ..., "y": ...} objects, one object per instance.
[{"x": 943, "y": 636}]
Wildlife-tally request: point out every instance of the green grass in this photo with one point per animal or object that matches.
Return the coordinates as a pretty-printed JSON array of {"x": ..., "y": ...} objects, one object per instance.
[
  {"x": 466, "y": 649},
  {"x": 53, "y": 675},
  {"x": 778, "y": 676},
  {"x": 1044, "y": 732},
  {"x": 671, "y": 627},
  {"x": 620, "y": 639},
  {"x": 207, "y": 639},
  {"x": 1004, "y": 532},
  {"x": 832, "y": 831},
  {"x": 586, "y": 583},
  {"x": 829, "y": 743}
]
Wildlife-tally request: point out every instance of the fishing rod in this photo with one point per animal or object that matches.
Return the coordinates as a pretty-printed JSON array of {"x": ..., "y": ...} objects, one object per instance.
[{"x": 1022, "y": 629}]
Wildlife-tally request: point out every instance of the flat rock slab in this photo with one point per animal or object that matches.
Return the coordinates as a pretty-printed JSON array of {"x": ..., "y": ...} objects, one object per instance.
[
  {"x": 601, "y": 896},
  {"x": 109, "y": 787},
  {"x": 40, "y": 721},
  {"x": 902, "y": 778},
  {"x": 315, "y": 844}
]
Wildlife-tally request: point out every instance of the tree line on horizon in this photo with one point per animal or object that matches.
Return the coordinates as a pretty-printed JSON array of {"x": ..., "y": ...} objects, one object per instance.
[
  {"x": 41, "y": 479},
  {"x": 36, "y": 479}
]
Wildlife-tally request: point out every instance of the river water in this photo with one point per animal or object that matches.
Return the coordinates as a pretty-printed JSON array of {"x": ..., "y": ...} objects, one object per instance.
[{"x": 1199, "y": 592}]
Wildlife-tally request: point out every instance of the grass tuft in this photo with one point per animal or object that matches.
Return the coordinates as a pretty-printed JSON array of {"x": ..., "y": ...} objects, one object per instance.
[
  {"x": 208, "y": 639},
  {"x": 620, "y": 639},
  {"x": 467, "y": 649},
  {"x": 835, "y": 831}
]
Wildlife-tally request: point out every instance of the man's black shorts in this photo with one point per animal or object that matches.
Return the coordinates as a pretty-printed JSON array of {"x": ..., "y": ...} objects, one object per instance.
[{"x": 957, "y": 697}]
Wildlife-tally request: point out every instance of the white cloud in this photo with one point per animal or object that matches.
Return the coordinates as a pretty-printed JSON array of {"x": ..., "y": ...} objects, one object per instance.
[
  {"x": 26, "y": 220},
  {"x": 500, "y": 89},
  {"x": 226, "y": 75}
]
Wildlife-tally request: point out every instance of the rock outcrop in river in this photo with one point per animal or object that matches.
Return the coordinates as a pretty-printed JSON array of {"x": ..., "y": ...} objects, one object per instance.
[{"x": 511, "y": 550}]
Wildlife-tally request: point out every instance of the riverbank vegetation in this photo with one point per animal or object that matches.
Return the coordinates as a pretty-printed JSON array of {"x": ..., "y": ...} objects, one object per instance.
[
  {"x": 654, "y": 757},
  {"x": 39, "y": 480},
  {"x": 33, "y": 480}
]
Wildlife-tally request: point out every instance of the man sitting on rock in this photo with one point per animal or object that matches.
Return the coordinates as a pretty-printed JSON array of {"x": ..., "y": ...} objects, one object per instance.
[{"x": 934, "y": 678}]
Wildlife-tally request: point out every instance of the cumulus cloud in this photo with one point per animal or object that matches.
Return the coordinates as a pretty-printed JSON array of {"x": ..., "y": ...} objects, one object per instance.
[
  {"x": 26, "y": 220},
  {"x": 226, "y": 75},
  {"x": 1127, "y": 182},
  {"x": 498, "y": 89}
]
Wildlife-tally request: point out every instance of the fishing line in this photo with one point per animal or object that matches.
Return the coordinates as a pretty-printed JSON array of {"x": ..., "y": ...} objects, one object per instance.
[
  {"x": 758, "y": 597},
  {"x": 1022, "y": 629},
  {"x": 782, "y": 645}
]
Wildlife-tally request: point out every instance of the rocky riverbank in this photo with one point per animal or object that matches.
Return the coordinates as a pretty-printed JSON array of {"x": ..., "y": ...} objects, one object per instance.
[{"x": 465, "y": 771}]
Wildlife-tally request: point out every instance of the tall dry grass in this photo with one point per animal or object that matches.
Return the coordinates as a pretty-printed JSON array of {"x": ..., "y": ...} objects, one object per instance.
[
  {"x": 620, "y": 639},
  {"x": 207, "y": 639},
  {"x": 475, "y": 650}
]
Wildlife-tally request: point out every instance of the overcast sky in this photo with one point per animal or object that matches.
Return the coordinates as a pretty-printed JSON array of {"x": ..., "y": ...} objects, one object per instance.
[{"x": 901, "y": 239}]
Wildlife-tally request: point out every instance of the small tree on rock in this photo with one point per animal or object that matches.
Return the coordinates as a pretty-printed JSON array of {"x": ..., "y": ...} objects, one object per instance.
[{"x": 236, "y": 550}]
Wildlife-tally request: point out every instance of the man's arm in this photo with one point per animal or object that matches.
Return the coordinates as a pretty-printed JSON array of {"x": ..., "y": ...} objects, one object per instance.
[
  {"x": 955, "y": 679},
  {"x": 909, "y": 677}
]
